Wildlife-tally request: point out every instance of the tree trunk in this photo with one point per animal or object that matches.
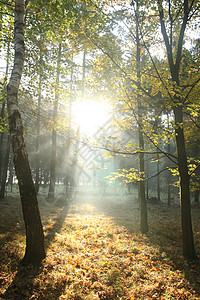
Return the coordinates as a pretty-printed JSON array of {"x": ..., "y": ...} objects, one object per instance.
[
  {"x": 5, "y": 169},
  {"x": 10, "y": 179},
  {"x": 34, "y": 232},
  {"x": 54, "y": 133},
  {"x": 174, "y": 61},
  {"x": 168, "y": 172},
  {"x": 2, "y": 117},
  {"x": 143, "y": 204},
  {"x": 186, "y": 222},
  {"x": 37, "y": 158},
  {"x": 158, "y": 178},
  {"x": 2, "y": 150},
  {"x": 196, "y": 196},
  {"x": 169, "y": 188},
  {"x": 147, "y": 184}
]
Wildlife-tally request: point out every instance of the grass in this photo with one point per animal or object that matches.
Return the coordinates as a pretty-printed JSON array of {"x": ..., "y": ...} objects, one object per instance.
[{"x": 95, "y": 251}]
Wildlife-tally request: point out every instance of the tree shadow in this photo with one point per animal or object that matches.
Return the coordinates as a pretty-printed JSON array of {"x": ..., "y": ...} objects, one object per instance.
[
  {"x": 25, "y": 283},
  {"x": 51, "y": 232}
]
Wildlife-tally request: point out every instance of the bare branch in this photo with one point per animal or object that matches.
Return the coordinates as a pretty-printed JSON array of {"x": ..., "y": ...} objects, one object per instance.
[
  {"x": 181, "y": 35},
  {"x": 194, "y": 170},
  {"x": 192, "y": 87},
  {"x": 165, "y": 36},
  {"x": 155, "y": 175}
]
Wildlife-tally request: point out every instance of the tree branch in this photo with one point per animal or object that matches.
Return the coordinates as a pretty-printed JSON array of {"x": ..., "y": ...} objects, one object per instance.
[
  {"x": 155, "y": 175},
  {"x": 181, "y": 35},
  {"x": 165, "y": 36},
  {"x": 194, "y": 170},
  {"x": 192, "y": 87}
]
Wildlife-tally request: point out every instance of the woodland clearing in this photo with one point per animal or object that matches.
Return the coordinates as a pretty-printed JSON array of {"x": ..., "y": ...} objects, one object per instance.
[{"x": 95, "y": 251}]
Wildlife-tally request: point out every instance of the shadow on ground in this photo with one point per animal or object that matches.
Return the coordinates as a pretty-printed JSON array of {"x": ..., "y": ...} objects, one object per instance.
[
  {"x": 25, "y": 282},
  {"x": 164, "y": 229}
]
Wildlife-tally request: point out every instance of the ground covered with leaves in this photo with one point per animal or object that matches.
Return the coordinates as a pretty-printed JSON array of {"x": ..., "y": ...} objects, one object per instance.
[{"x": 95, "y": 251}]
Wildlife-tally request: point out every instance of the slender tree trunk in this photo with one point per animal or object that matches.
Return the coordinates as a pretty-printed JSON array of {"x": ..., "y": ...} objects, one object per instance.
[
  {"x": 54, "y": 133},
  {"x": 5, "y": 169},
  {"x": 2, "y": 152},
  {"x": 10, "y": 179},
  {"x": 168, "y": 172},
  {"x": 169, "y": 188},
  {"x": 34, "y": 232},
  {"x": 143, "y": 203},
  {"x": 186, "y": 221},
  {"x": 2, "y": 117},
  {"x": 196, "y": 196},
  {"x": 37, "y": 159},
  {"x": 158, "y": 178},
  {"x": 147, "y": 184}
]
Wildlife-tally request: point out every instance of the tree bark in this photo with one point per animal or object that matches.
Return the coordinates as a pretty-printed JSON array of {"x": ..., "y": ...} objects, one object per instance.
[
  {"x": 2, "y": 151},
  {"x": 37, "y": 158},
  {"x": 186, "y": 220},
  {"x": 158, "y": 178},
  {"x": 174, "y": 60},
  {"x": 143, "y": 203},
  {"x": 196, "y": 196},
  {"x": 2, "y": 136},
  {"x": 34, "y": 232},
  {"x": 54, "y": 133},
  {"x": 169, "y": 175},
  {"x": 5, "y": 169}
]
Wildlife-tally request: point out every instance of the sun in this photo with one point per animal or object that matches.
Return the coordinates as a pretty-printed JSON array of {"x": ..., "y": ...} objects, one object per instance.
[{"x": 90, "y": 115}]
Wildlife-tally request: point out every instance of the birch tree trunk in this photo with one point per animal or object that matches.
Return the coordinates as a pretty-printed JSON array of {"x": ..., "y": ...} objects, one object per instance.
[{"x": 34, "y": 232}]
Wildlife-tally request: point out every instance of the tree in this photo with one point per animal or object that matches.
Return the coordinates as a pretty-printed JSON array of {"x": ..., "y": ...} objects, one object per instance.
[
  {"x": 34, "y": 232},
  {"x": 174, "y": 56},
  {"x": 143, "y": 204},
  {"x": 166, "y": 78}
]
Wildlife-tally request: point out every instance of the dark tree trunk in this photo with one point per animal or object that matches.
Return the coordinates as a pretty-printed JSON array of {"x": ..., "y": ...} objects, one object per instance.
[
  {"x": 2, "y": 137},
  {"x": 10, "y": 179},
  {"x": 147, "y": 184},
  {"x": 34, "y": 232},
  {"x": 143, "y": 203},
  {"x": 37, "y": 159},
  {"x": 5, "y": 169},
  {"x": 54, "y": 133},
  {"x": 158, "y": 179},
  {"x": 169, "y": 188},
  {"x": 168, "y": 172},
  {"x": 174, "y": 61},
  {"x": 196, "y": 196},
  {"x": 186, "y": 221},
  {"x": 2, "y": 151}
]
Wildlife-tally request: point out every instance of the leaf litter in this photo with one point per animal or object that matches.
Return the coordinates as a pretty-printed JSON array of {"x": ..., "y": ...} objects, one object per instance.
[{"x": 95, "y": 251}]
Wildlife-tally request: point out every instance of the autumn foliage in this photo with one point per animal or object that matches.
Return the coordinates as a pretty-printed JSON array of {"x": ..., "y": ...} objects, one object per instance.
[{"x": 95, "y": 251}]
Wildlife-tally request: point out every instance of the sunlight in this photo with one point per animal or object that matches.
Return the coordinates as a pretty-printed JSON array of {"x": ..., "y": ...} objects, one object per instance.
[{"x": 90, "y": 115}]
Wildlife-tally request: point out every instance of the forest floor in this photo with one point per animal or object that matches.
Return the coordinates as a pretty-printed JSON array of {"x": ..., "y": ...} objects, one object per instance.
[{"x": 95, "y": 251}]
